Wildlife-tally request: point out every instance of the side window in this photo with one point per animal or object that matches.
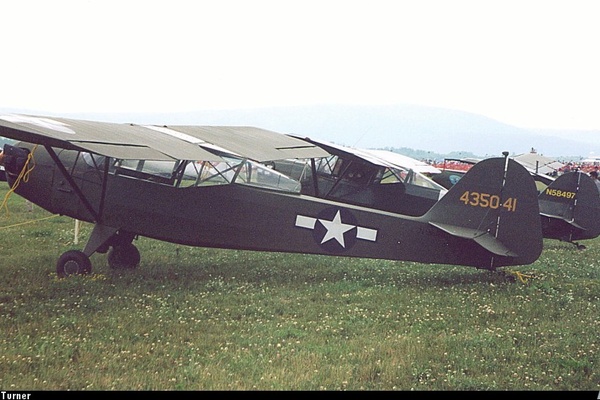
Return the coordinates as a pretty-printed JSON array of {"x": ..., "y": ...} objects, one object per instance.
[
  {"x": 359, "y": 173},
  {"x": 202, "y": 173},
  {"x": 155, "y": 171},
  {"x": 93, "y": 160},
  {"x": 329, "y": 165},
  {"x": 388, "y": 175},
  {"x": 243, "y": 172},
  {"x": 215, "y": 173},
  {"x": 255, "y": 174}
]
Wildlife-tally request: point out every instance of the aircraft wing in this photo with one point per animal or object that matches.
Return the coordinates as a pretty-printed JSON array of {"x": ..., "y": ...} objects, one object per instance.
[
  {"x": 255, "y": 143},
  {"x": 151, "y": 142},
  {"x": 348, "y": 152},
  {"x": 404, "y": 161},
  {"x": 382, "y": 158}
]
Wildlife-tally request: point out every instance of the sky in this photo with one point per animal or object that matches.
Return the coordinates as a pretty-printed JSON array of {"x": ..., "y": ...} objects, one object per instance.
[{"x": 528, "y": 63}]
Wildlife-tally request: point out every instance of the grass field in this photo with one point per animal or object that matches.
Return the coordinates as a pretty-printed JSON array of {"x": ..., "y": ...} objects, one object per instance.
[{"x": 202, "y": 319}]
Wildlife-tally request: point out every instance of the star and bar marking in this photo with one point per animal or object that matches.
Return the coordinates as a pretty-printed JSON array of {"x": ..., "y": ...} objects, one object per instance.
[{"x": 335, "y": 228}]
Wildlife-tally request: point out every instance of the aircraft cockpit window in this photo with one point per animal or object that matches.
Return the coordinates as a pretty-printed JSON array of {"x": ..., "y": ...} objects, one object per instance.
[
  {"x": 359, "y": 173},
  {"x": 409, "y": 177},
  {"x": 329, "y": 165},
  {"x": 256, "y": 174},
  {"x": 388, "y": 175},
  {"x": 298, "y": 169},
  {"x": 244, "y": 172},
  {"x": 205, "y": 173},
  {"x": 155, "y": 171},
  {"x": 215, "y": 173},
  {"x": 93, "y": 160},
  {"x": 419, "y": 179}
]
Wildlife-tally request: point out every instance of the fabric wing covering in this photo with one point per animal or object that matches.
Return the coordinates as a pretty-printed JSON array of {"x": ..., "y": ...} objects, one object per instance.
[{"x": 151, "y": 142}]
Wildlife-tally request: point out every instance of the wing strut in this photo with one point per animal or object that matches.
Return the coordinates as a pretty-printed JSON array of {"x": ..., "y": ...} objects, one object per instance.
[
  {"x": 107, "y": 161},
  {"x": 315, "y": 179},
  {"x": 69, "y": 179}
]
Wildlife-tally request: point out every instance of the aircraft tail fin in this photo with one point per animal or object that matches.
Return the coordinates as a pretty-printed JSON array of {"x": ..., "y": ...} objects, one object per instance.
[
  {"x": 573, "y": 198},
  {"x": 494, "y": 204}
]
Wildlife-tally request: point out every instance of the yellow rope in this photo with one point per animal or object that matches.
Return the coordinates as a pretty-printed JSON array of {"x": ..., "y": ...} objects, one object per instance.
[
  {"x": 23, "y": 176},
  {"x": 522, "y": 277},
  {"x": 27, "y": 222}
]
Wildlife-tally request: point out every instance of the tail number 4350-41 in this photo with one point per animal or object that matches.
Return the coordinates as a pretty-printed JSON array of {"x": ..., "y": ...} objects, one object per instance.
[{"x": 486, "y": 200}]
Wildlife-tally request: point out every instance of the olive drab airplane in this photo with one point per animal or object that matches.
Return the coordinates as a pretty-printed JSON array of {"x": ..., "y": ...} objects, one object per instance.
[
  {"x": 214, "y": 187},
  {"x": 569, "y": 204}
]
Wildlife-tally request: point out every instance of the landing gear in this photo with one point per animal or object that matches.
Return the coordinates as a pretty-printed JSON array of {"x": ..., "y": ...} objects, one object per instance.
[
  {"x": 73, "y": 262},
  {"x": 123, "y": 256}
]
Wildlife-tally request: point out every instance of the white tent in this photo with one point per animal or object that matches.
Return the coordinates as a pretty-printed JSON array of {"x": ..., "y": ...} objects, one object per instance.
[{"x": 538, "y": 163}]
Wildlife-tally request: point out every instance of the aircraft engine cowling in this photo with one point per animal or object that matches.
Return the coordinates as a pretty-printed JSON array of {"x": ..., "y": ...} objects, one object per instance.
[{"x": 14, "y": 160}]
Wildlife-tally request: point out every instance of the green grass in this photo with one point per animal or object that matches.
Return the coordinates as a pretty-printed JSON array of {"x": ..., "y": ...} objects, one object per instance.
[{"x": 192, "y": 319}]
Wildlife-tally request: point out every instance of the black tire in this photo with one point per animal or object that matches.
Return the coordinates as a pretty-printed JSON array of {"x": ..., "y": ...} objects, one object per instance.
[
  {"x": 73, "y": 262},
  {"x": 125, "y": 256}
]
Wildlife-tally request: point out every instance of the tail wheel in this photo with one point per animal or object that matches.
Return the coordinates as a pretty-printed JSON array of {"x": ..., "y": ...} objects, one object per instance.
[
  {"x": 73, "y": 262},
  {"x": 124, "y": 256}
]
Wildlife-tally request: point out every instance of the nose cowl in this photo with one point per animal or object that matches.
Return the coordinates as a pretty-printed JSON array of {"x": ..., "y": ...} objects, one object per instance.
[{"x": 13, "y": 159}]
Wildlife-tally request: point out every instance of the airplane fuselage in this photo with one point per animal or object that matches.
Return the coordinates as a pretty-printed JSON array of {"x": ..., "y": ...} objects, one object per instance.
[{"x": 236, "y": 216}]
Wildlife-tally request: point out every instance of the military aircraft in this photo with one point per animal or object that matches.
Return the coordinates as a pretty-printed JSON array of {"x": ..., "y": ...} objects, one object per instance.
[
  {"x": 569, "y": 203},
  {"x": 210, "y": 186}
]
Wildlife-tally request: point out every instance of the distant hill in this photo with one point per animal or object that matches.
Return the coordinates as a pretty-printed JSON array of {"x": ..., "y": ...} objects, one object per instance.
[{"x": 435, "y": 130}]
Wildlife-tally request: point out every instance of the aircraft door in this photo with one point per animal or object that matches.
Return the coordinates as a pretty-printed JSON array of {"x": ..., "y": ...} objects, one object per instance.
[{"x": 65, "y": 199}]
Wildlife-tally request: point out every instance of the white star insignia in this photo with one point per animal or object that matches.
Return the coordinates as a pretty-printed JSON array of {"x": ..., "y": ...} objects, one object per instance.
[{"x": 335, "y": 229}]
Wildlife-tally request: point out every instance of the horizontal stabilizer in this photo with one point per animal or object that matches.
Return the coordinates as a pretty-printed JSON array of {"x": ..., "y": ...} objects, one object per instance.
[
  {"x": 570, "y": 222},
  {"x": 483, "y": 238}
]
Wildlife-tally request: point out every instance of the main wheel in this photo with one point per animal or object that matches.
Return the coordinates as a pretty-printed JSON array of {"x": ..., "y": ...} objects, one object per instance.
[
  {"x": 124, "y": 256},
  {"x": 73, "y": 262}
]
